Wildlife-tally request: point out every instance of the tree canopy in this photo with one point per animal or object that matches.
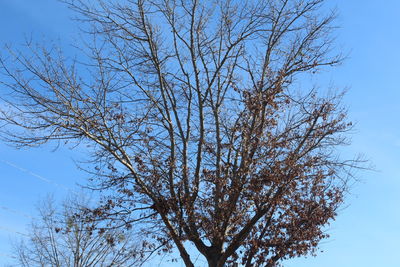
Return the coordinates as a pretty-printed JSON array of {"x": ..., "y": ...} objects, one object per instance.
[{"x": 198, "y": 130}]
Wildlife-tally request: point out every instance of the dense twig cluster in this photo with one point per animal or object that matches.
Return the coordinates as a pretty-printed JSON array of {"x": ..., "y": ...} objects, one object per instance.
[{"x": 64, "y": 238}]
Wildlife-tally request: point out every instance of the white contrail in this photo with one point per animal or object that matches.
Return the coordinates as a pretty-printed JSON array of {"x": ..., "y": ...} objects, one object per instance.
[
  {"x": 7, "y": 255},
  {"x": 35, "y": 175},
  {"x": 16, "y": 212},
  {"x": 12, "y": 231}
]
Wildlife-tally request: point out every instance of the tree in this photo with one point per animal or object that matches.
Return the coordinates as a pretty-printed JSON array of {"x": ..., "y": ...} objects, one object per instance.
[
  {"x": 63, "y": 239},
  {"x": 196, "y": 121}
]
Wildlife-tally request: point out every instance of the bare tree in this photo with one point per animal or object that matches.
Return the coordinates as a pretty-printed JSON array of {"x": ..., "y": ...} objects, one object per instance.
[
  {"x": 64, "y": 238},
  {"x": 196, "y": 121}
]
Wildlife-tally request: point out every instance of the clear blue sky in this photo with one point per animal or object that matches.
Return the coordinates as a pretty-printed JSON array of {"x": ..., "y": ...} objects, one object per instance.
[{"x": 365, "y": 234}]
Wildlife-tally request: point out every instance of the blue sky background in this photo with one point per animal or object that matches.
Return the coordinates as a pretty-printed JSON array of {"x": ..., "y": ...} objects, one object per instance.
[{"x": 366, "y": 232}]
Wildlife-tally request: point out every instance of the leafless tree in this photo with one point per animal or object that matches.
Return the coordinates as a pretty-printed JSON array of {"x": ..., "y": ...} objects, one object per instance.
[
  {"x": 196, "y": 121},
  {"x": 66, "y": 239}
]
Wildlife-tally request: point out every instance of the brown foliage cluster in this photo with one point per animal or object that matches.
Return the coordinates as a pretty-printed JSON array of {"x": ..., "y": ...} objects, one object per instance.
[{"x": 196, "y": 122}]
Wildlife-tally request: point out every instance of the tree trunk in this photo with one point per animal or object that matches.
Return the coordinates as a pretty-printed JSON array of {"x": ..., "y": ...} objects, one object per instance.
[{"x": 213, "y": 258}]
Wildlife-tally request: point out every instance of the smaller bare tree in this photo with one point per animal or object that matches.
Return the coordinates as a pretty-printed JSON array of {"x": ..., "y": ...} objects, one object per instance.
[{"x": 63, "y": 239}]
